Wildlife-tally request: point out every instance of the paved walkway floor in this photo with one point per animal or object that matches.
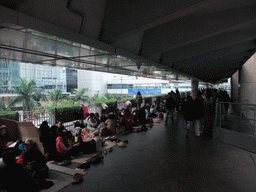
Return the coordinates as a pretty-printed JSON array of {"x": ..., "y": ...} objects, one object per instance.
[{"x": 163, "y": 159}]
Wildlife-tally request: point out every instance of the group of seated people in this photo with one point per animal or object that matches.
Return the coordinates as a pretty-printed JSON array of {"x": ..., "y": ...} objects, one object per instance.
[
  {"x": 109, "y": 122},
  {"x": 28, "y": 164},
  {"x": 24, "y": 165}
]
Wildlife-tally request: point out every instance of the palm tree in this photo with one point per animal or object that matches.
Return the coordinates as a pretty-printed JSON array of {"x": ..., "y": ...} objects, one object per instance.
[
  {"x": 26, "y": 94},
  {"x": 3, "y": 107},
  {"x": 80, "y": 95},
  {"x": 55, "y": 96}
]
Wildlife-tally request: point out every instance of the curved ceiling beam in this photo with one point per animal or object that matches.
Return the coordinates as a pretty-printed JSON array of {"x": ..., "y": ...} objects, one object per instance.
[
  {"x": 232, "y": 38},
  {"x": 125, "y": 18},
  {"x": 221, "y": 54},
  {"x": 195, "y": 28}
]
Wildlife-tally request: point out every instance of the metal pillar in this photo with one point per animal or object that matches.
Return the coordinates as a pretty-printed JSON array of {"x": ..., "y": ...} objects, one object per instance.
[{"x": 194, "y": 87}]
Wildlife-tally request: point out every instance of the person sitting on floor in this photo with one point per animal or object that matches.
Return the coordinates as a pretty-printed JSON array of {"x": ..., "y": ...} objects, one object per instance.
[
  {"x": 92, "y": 123},
  {"x": 136, "y": 115},
  {"x": 14, "y": 177},
  {"x": 130, "y": 121},
  {"x": 65, "y": 151},
  {"x": 142, "y": 116},
  {"x": 111, "y": 124},
  {"x": 90, "y": 142},
  {"x": 121, "y": 120},
  {"x": 57, "y": 129},
  {"x": 5, "y": 138},
  {"x": 34, "y": 163}
]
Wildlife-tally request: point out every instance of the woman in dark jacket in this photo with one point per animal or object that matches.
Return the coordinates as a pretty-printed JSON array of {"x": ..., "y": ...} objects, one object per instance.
[
  {"x": 188, "y": 112},
  {"x": 47, "y": 139},
  {"x": 199, "y": 113}
]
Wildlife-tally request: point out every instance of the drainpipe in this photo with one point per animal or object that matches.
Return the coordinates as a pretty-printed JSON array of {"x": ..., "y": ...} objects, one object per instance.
[{"x": 77, "y": 13}]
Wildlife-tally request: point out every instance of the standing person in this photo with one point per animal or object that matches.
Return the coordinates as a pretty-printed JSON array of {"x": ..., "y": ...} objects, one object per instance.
[
  {"x": 47, "y": 139},
  {"x": 187, "y": 111},
  {"x": 170, "y": 105},
  {"x": 178, "y": 99},
  {"x": 138, "y": 99},
  {"x": 199, "y": 113}
]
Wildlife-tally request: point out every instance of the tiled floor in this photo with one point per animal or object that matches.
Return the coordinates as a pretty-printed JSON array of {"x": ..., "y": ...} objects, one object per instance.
[{"x": 162, "y": 159}]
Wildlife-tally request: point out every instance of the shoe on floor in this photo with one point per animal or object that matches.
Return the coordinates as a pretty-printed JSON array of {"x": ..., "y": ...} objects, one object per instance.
[
  {"x": 121, "y": 144},
  {"x": 77, "y": 178},
  {"x": 110, "y": 150},
  {"x": 84, "y": 165},
  {"x": 47, "y": 185}
]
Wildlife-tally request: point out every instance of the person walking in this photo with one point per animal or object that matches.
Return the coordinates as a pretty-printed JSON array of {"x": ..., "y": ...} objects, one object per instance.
[
  {"x": 187, "y": 111},
  {"x": 170, "y": 105},
  {"x": 199, "y": 113},
  {"x": 139, "y": 99}
]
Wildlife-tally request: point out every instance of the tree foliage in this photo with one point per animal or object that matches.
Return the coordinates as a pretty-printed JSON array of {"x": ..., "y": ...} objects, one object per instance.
[
  {"x": 55, "y": 96},
  {"x": 26, "y": 94},
  {"x": 80, "y": 95},
  {"x": 106, "y": 98}
]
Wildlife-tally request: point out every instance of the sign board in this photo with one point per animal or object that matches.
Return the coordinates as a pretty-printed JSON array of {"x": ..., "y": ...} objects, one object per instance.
[{"x": 144, "y": 91}]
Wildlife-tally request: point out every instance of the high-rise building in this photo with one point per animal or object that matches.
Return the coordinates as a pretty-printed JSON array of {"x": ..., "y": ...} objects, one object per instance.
[{"x": 47, "y": 77}]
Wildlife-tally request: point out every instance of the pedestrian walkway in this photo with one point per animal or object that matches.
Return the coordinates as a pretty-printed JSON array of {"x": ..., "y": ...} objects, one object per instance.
[{"x": 163, "y": 159}]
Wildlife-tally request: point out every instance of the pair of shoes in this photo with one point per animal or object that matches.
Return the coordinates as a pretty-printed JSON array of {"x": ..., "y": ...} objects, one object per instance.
[
  {"x": 79, "y": 169},
  {"x": 126, "y": 141},
  {"x": 98, "y": 159},
  {"x": 77, "y": 178},
  {"x": 84, "y": 165}
]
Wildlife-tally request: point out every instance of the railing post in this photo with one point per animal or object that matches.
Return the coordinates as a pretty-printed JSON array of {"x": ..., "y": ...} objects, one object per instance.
[
  {"x": 219, "y": 104},
  {"x": 216, "y": 115},
  {"x": 254, "y": 121}
]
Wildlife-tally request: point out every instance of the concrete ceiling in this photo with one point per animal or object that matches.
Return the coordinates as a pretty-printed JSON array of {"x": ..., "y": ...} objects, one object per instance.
[{"x": 206, "y": 39}]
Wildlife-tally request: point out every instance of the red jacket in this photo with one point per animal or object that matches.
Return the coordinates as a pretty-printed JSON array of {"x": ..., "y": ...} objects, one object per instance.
[{"x": 61, "y": 148}]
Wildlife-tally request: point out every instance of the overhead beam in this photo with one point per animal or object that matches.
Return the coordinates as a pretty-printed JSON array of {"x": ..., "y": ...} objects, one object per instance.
[
  {"x": 125, "y": 18},
  {"x": 243, "y": 37},
  {"x": 199, "y": 27},
  {"x": 213, "y": 63},
  {"x": 230, "y": 52},
  {"x": 212, "y": 77}
]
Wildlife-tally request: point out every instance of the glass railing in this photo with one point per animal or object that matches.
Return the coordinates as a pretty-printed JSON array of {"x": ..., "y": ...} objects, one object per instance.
[{"x": 239, "y": 117}]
